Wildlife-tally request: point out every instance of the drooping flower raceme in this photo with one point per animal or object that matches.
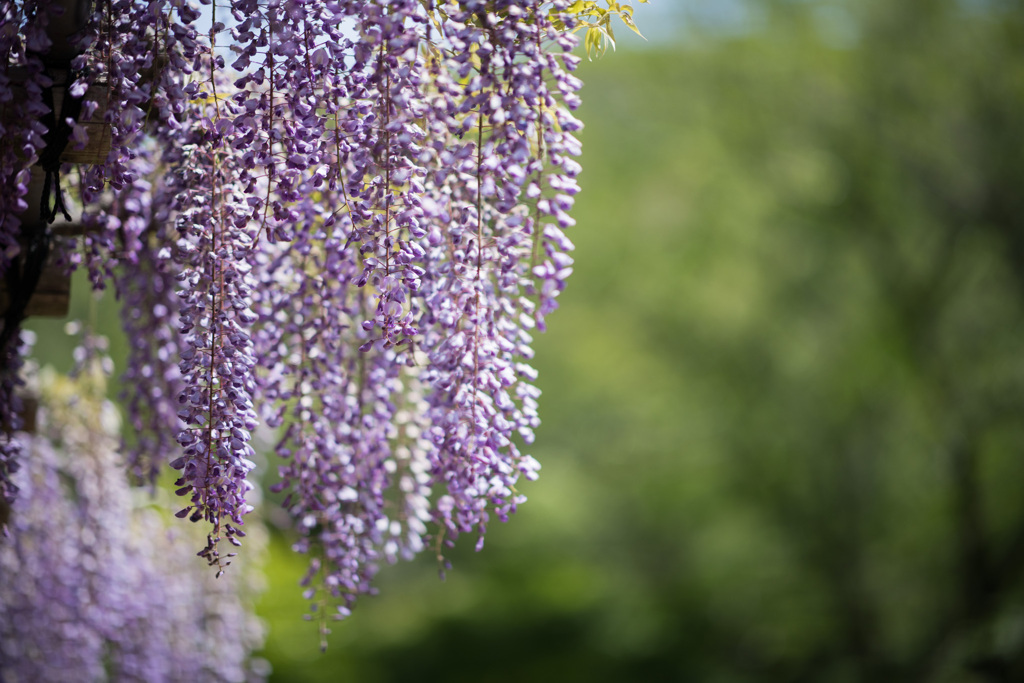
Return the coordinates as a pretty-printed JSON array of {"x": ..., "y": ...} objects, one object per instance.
[
  {"x": 217, "y": 361},
  {"x": 348, "y": 219}
]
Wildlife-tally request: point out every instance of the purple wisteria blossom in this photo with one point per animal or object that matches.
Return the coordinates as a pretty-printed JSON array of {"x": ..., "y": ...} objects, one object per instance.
[
  {"x": 214, "y": 253},
  {"x": 398, "y": 332},
  {"x": 345, "y": 219},
  {"x": 147, "y": 289}
]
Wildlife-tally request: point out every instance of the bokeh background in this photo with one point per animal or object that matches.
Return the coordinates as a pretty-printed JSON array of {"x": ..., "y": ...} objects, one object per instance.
[{"x": 783, "y": 404}]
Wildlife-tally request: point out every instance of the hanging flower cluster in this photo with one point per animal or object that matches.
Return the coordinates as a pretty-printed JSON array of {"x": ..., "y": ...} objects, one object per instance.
[
  {"x": 344, "y": 219},
  {"x": 112, "y": 594}
]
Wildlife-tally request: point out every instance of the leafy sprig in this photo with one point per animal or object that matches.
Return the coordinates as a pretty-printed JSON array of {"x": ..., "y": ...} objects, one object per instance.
[{"x": 596, "y": 22}]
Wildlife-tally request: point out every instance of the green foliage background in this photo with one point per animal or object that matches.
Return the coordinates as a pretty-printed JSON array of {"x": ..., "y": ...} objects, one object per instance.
[{"x": 783, "y": 400}]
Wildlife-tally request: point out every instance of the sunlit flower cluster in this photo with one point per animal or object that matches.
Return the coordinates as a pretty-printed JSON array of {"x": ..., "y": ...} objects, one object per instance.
[{"x": 345, "y": 219}]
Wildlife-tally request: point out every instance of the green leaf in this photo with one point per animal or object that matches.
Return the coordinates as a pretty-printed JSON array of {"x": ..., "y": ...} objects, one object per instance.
[{"x": 627, "y": 19}]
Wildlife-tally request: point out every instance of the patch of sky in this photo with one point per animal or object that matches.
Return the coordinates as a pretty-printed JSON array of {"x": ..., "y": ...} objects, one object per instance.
[{"x": 672, "y": 21}]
